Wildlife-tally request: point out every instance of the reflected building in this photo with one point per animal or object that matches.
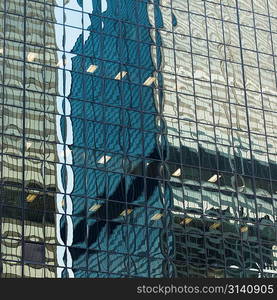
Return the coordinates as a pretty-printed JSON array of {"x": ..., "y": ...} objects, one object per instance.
[
  {"x": 120, "y": 201},
  {"x": 219, "y": 93},
  {"x": 138, "y": 138},
  {"x": 28, "y": 140}
]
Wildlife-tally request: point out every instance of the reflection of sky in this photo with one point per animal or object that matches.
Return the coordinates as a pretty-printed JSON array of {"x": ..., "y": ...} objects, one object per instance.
[
  {"x": 66, "y": 38},
  {"x": 104, "y": 5}
]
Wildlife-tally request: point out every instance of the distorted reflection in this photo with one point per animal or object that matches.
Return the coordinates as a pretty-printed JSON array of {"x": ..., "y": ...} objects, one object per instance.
[{"x": 138, "y": 138}]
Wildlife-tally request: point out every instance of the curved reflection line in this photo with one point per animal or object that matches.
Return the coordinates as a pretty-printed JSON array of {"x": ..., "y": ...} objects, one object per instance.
[
  {"x": 160, "y": 62},
  {"x": 59, "y": 203},
  {"x": 64, "y": 155},
  {"x": 60, "y": 249},
  {"x": 58, "y": 128},
  {"x": 59, "y": 172}
]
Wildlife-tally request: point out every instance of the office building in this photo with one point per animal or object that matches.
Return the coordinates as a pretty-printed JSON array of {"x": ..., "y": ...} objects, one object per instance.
[{"x": 138, "y": 138}]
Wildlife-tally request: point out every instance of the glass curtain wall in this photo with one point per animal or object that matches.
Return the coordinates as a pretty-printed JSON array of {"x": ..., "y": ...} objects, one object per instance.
[{"x": 138, "y": 138}]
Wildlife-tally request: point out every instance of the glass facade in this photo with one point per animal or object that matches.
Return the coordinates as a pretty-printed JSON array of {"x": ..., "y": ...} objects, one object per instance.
[{"x": 138, "y": 138}]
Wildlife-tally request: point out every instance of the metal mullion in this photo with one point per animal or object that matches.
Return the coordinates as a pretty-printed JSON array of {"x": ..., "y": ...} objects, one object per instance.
[
  {"x": 196, "y": 123},
  {"x": 85, "y": 149},
  {"x": 247, "y": 117},
  {"x": 24, "y": 137},
  {"x": 179, "y": 130},
  {"x": 64, "y": 164},
  {"x": 44, "y": 141},
  {"x": 101, "y": 35},
  {"x": 162, "y": 183},
  {"x": 265, "y": 131},
  {"x": 244, "y": 89},
  {"x": 213, "y": 110},
  {"x": 124, "y": 152},
  {"x": 275, "y": 70},
  {"x": 2, "y": 134},
  {"x": 143, "y": 143},
  {"x": 230, "y": 112}
]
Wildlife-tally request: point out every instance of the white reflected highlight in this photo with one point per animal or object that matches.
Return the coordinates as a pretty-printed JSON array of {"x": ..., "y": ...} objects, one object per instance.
[
  {"x": 92, "y": 68},
  {"x": 69, "y": 133},
  {"x": 67, "y": 107},
  {"x": 69, "y": 231},
  {"x": 28, "y": 145},
  {"x": 104, "y": 5},
  {"x": 31, "y": 56},
  {"x": 149, "y": 81},
  {"x": 95, "y": 207},
  {"x": 69, "y": 205},
  {"x": 60, "y": 248},
  {"x": 186, "y": 221},
  {"x": 120, "y": 75},
  {"x": 59, "y": 179},
  {"x": 126, "y": 212},
  {"x": 157, "y": 217},
  {"x": 88, "y": 6},
  {"x": 177, "y": 173},
  {"x": 104, "y": 159},
  {"x": 70, "y": 180},
  {"x": 214, "y": 178}
]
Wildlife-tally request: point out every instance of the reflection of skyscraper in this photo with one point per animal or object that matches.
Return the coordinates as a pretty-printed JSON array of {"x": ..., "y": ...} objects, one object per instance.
[
  {"x": 151, "y": 124},
  {"x": 28, "y": 181},
  {"x": 219, "y": 96},
  {"x": 113, "y": 105}
]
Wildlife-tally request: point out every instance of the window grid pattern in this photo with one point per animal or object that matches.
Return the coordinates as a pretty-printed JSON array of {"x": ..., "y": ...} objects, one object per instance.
[{"x": 138, "y": 138}]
